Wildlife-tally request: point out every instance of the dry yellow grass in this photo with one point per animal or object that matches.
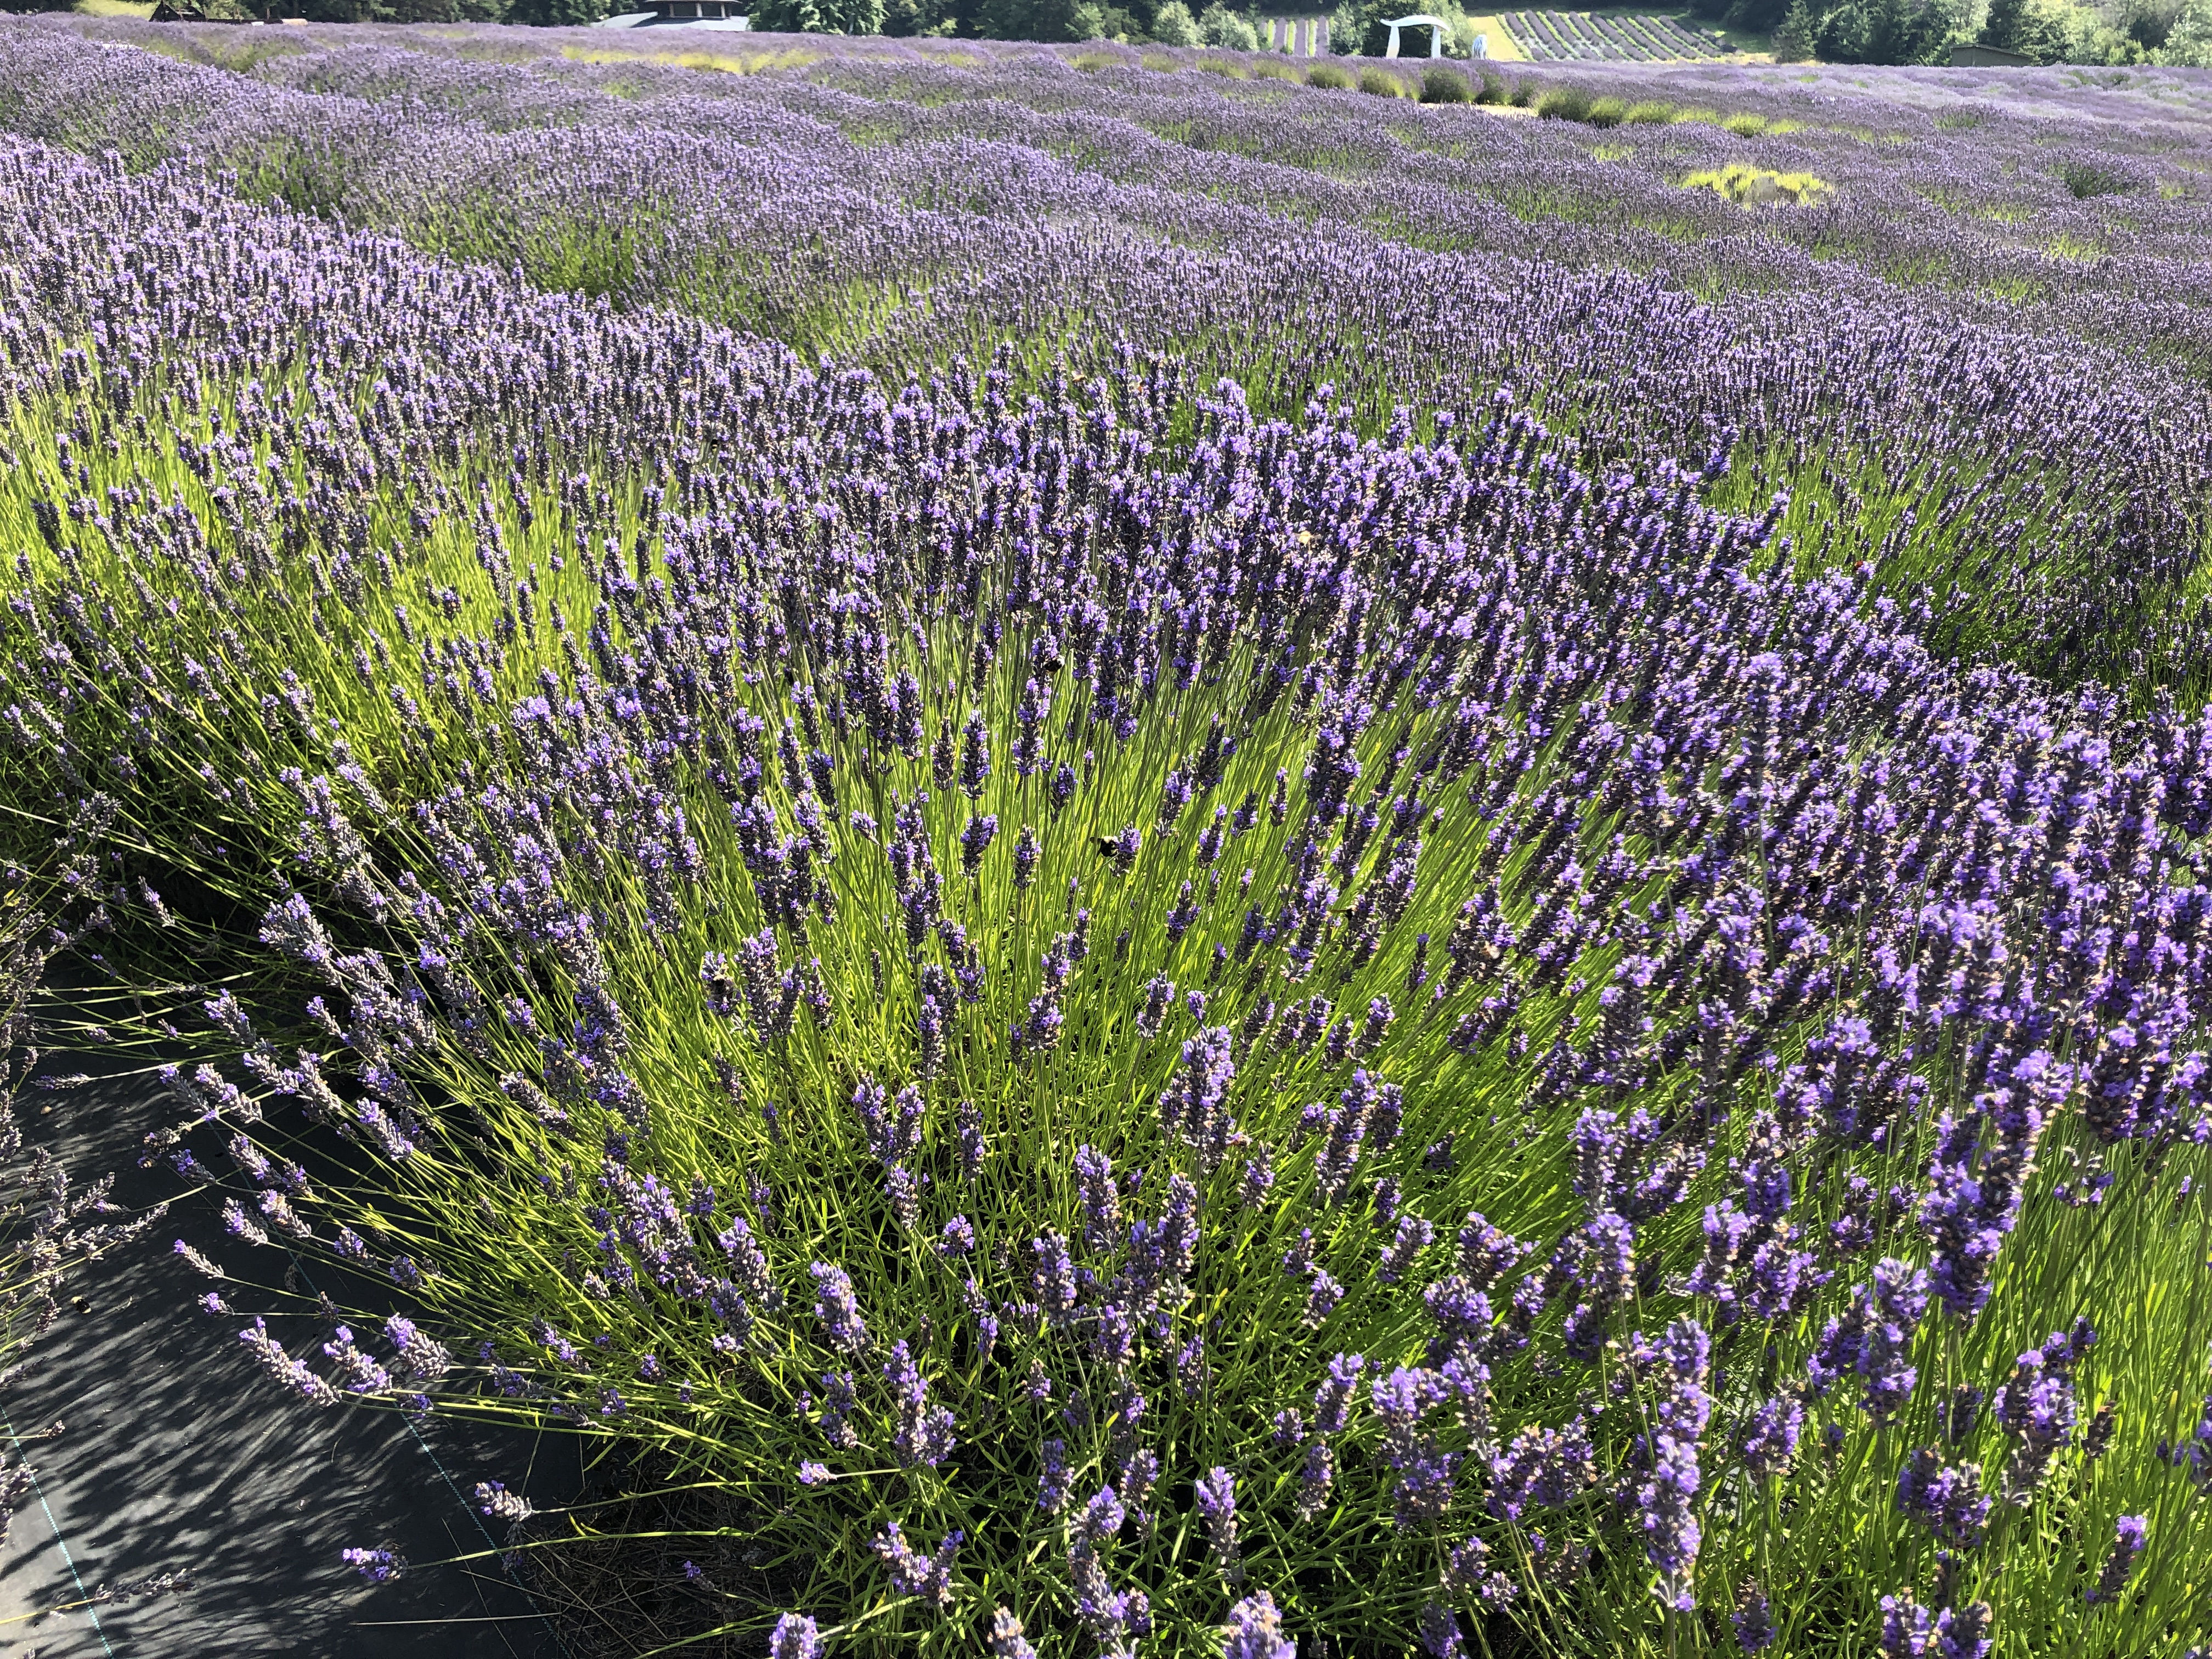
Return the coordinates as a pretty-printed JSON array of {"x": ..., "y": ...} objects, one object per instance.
[
  {"x": 1502, "y": 49},
  {"x": 729, "y": 62}
]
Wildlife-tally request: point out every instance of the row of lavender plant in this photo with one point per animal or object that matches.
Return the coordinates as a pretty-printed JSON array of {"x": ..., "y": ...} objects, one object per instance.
[
  {"x": 903, "y": 212},
  {"x": 1225, "y": 1037}
]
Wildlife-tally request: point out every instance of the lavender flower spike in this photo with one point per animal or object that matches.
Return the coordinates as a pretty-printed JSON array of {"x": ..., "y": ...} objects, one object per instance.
[
  {"x": 794, "y": 1637},
  {"x": 1255, "y": 1630}
]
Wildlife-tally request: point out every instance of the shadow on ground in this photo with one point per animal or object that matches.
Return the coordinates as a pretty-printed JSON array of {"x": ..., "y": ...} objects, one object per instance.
[{"x": 176, "y": 1454}]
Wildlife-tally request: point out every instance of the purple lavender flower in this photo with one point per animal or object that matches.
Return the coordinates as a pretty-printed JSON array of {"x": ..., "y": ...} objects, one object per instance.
[
  {"x": 1006, "y": 1639},
  {"x": 1102, "y": 1200},
  {"x": 928, "y": 1577},
  {"x": 1978, "y": 1174},
  {"x": 839, "y": 1404},
  {"x": 1770, "y": 1438},
  {"x": 1255, "y": 1630},
  {"x": 1051, "y": 1280},
  {"x": 1754, "y": 1619},
  {"x": 1052, "y": 1484},
  {"x": 495, "y": 1501},
  {"x": 1317, "y": 1478},
  {"x": 836, "y": 1308},
  {"x": 1333, "y": 1400},
  {"x": 1217, "y": 1503},
  {"x": 378, "y": 1566},
  {"x": 1486, "y": 1254},
  {"x": 923, "y": 1437},
  {"x": 1873, "y": 1339},
  {"x": 1413, "y": 1235},
  {"x": 1946, "y": 1499},
  {"x": 2131, "y": 1534},
  {"x": 1195, "y": 1109},
  {"x": 794, "y": 1637},
  {"x": 1469, "y": 1577},
  {"x": 1909, "y": 1631},
  {"x": 968, "y": 1122},
  {"x": 2038, "y": 1407},
  {"x": 1541, "y": 1468}
]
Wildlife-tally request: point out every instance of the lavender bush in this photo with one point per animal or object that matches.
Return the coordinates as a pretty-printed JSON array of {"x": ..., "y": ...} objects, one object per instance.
[
  {"x": 1905, "y": 358},
  {"x": 1131, "y": 1012}
]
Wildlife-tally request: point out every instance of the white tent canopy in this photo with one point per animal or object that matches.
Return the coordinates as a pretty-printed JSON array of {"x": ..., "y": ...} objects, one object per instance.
[{"x": 1436, "y": 28}]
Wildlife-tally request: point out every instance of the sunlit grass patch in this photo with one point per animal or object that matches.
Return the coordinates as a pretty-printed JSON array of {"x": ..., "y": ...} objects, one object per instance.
[
  {"x": 728, "y": 63},
  {"x": 1751, "y": 186}
]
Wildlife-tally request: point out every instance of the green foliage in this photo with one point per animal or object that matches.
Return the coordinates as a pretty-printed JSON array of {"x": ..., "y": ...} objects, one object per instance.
[
  {"x": 1217, "y": 26},
  {"x": 2023, "y": 27},
  {"x": 816, "y": 16},
  {"x": 1883, "y": 32},
  {"x": 551, "y": 14},
  {"x": 1381, "y": 83},
  {"x": 1174, "y": 26},
  {"x": 1564, "y": 104},
  {"x": 1794, "y": 40},
  {"x": 1330, "y": 76},
  {"x": 1443, "y": 86}
]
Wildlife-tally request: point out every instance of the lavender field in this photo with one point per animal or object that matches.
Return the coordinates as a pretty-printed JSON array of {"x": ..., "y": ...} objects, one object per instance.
[{"x": 1134, "y": 856}]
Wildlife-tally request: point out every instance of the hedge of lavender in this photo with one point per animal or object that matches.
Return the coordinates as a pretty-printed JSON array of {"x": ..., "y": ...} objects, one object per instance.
[
  {"x": 1141, "y": 1004},
  {"x": 1956, "y": 366}
]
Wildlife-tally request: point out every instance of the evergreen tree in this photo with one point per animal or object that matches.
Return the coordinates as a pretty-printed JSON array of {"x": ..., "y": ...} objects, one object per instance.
[
  {"x": 1030, "y": 20},
  {"x": 2002, "y": 25},
  {"x": 551, "y": 13},
  {"x": 1842, "y": 36},
  {"x": 1794, "y": 42},
  {"x": 1760, "y": 17}
]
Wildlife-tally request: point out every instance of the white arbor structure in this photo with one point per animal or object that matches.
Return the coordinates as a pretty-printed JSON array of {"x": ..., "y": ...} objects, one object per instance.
[{"x": 1436, "y": 28}]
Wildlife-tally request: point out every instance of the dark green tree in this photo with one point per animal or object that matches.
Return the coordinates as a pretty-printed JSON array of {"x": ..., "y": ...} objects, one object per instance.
[
  {"x": 2019, "y": 26},
  {"x": 1842, "y": 35},
  {"x": 1798, "y": 36},
  {"x": 553, "y": 14},
  {"x": 1028, "y": 20},
  {"x": 1760, "y": 17},
  {"x": 790, "y": 17}
]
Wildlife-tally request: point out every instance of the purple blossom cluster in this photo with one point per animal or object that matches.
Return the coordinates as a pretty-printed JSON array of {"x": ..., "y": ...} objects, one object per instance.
[{"x": 1143, "y": 985}]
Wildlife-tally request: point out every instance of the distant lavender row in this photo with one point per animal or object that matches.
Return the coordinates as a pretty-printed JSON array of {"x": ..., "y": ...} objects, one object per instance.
[
  {"x": 1234, "y": 1038},
  {"x": 1579, "y": 36},
  {"x": 897, "y": 210}
]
